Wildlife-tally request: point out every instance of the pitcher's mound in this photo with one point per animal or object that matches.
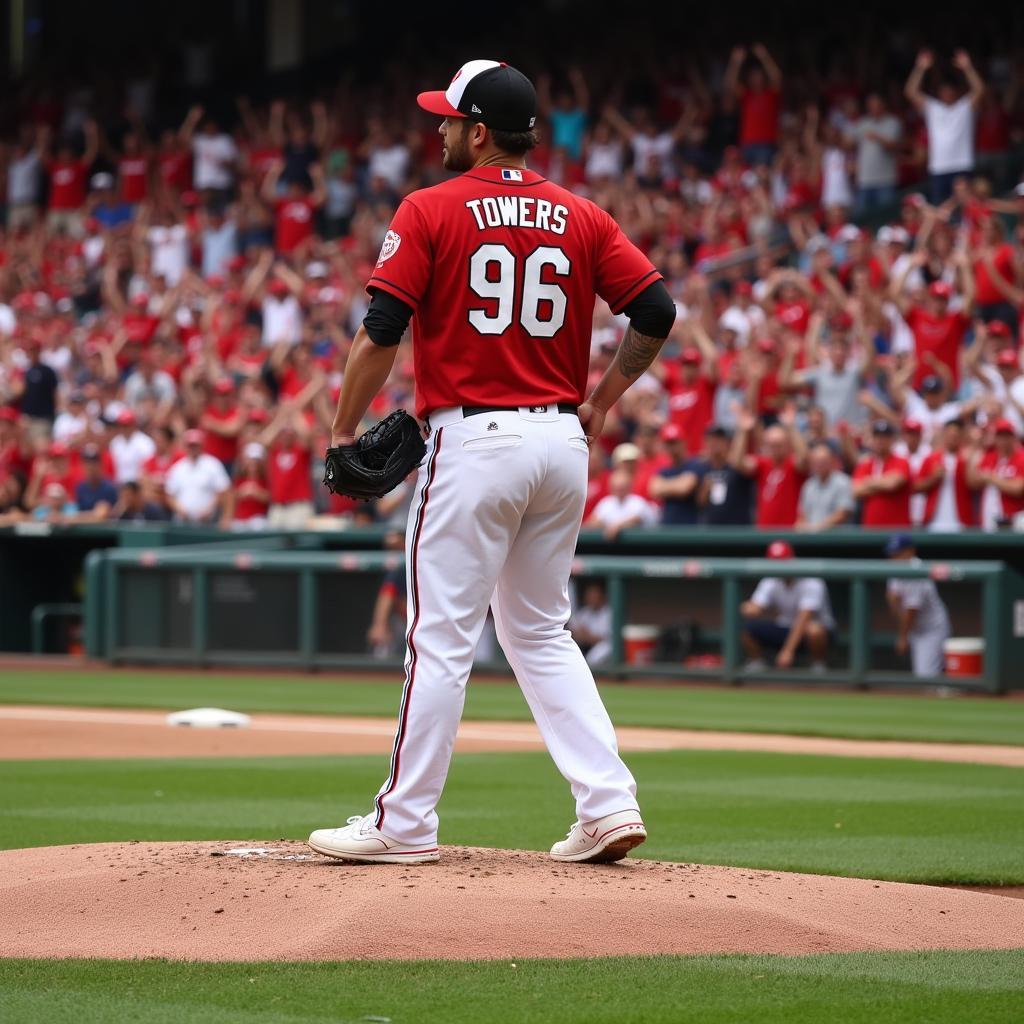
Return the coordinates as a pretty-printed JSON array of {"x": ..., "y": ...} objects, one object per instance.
[{"x": 280, "y": 901}]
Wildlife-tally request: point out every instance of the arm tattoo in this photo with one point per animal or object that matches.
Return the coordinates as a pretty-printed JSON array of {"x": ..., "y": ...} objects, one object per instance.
[{"x": 636, "y": 353}]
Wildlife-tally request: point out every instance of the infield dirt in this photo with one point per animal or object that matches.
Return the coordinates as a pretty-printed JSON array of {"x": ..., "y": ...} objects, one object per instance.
[{"x": 32, "y": 731}]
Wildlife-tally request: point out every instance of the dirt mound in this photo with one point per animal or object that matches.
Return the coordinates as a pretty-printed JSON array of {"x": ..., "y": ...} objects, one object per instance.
[{"x": 208, "y": 901}]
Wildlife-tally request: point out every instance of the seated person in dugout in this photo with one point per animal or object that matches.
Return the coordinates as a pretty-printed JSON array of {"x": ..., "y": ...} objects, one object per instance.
[
  {"x": 787, "y": 615},
  {"x": 591, "y": 624}
]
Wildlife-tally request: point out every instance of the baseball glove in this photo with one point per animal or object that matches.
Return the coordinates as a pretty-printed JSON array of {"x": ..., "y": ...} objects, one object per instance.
[{"x": 378, "y": 461}]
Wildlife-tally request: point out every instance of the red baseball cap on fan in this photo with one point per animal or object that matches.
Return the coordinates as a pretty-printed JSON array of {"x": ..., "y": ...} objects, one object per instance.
[
  {"x": 1003, "y": 426},
  {"x": 912, "y": 426},
  {"x": 690, "y": 355},
  {"x": 998, "y": 329},
  {"x": 671, "y": 432},
  {"x": 940, "y": 289},
  {"x": 489, "y": 91},
  {"x": 1008, "y": 357},
  {"x": 779, "y": 550}
]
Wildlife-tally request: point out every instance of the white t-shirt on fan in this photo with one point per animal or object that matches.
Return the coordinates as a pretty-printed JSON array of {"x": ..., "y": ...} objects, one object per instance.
[
  {"x": 214, "y": 155},
  {"x": 950, "y": 135}
]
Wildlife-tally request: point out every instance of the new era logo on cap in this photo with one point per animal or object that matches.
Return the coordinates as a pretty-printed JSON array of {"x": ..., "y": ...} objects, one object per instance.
[{"x": 490, "y": 91}]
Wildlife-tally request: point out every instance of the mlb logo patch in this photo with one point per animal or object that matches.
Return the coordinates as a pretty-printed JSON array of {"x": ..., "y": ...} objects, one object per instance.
[{"x": 511, "y": 174}]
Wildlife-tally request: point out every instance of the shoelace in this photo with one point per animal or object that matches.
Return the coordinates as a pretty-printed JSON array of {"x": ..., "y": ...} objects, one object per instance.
[{"x": 575, "y": 825}]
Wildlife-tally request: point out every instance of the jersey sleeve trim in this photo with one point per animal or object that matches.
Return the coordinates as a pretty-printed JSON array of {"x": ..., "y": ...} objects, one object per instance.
[
  {"x": 634, "y": 289},
  {"x": 394, "y": 289}
]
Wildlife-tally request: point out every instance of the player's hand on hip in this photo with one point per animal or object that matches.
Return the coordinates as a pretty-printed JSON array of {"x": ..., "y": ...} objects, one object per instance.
[{"x": 592, "y": 419}]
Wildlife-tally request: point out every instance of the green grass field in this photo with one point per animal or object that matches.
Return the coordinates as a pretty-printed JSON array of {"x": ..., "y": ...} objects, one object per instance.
[
  {"x": 801, "y": 712},
  {"x": 903, "y": 820},
  {"x": 864, "y": 988}
]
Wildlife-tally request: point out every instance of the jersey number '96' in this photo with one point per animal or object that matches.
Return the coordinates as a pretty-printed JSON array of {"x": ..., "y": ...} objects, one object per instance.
[{"x": 493, "y": 275}]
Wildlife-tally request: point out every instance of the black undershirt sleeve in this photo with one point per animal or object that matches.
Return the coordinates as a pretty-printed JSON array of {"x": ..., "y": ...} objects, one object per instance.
[
  {"x": 652, "y": 312},
  {"x": 386, "y": 318}
]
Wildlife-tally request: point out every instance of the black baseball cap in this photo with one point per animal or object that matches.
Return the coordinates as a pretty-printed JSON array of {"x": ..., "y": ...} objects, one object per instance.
[
  {"x": 931, "y": 384},
  {"x": 882, "y": 427},
  {"x": 488, "y": 91}
]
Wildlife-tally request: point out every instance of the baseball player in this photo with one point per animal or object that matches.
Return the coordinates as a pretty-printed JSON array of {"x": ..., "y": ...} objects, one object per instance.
[
  {"x": 923, "y": 619},
  {"x": 498, "y": 270}
]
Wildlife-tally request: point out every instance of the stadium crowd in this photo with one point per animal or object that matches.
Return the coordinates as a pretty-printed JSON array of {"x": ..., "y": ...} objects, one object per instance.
[{"x": 177, "y": 300}]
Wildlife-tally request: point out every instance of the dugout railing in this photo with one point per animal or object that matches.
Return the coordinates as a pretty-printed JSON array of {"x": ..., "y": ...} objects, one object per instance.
[{"x": 248, "y": 605}]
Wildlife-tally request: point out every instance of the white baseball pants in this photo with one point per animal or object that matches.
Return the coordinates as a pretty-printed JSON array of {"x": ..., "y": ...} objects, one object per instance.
[{"x": 494, "y": 522}]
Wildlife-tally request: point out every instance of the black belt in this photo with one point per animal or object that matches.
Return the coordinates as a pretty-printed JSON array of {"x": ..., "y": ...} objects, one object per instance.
[{"x": 477, "y": 410}]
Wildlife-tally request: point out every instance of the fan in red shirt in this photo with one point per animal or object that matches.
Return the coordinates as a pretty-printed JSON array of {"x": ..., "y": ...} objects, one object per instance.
[
  {"x": 68, "y": 175},
  {"x": 155, "y": 468},
  {"x": 759, "y": 102},
  {"x": 251, "y": 493},
  {"x": 792, "y": 294},
  {"x": 882, "y": 481},
  {"x": 52, "y": 468},
  {"x": 999, "y": 474},
  {"x": 995, "y": 273},
  {"x": 763, "y": 379},
  {"x": 294, "y": 212},
  {"x": 691, "y": 384},
  {"x": 860, "y": 257},
  {"x": 174, "y": 162},
  {"x": 133, "y": 169},
  {"x": 67, "y": 182},
  {"x": 779, "y": 473},
  {"x": 15, "y": 450},
  {"x": 937, "y": 330},
  {"x": 228, "y": 324},
  {"x": 222, "y": 422},
  {"x": 288, "y": 469},
  {"x": 138, "y": 323},
  {"x": 942, "y": 478},
  {"x": 648, "y": 458}
]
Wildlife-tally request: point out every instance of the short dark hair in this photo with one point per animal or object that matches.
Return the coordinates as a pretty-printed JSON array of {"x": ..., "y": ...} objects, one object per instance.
[{"x": 515, "y": 143}]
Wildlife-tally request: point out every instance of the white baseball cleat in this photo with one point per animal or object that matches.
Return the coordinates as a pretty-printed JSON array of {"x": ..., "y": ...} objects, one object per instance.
[
  {"x": 360, "y": 840},
  {"x": 606, "y": 839}
]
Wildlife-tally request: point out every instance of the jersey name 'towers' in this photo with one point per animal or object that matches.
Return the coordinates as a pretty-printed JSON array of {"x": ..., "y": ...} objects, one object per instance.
[{"x": 518, "y": 212}]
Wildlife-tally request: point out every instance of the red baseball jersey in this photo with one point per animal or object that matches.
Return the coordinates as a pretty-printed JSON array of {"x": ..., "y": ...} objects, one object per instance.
[
  {"x": 690, "y": 406},
  {"x": 942, "y": 336},
  {"x": 501, "y": 267},
  {"x": 957, "y": 480},
  {"x": 1011, "y": 468},
  {"x": 778, "y": 491},
  {"x": 891, "y": 509}
]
